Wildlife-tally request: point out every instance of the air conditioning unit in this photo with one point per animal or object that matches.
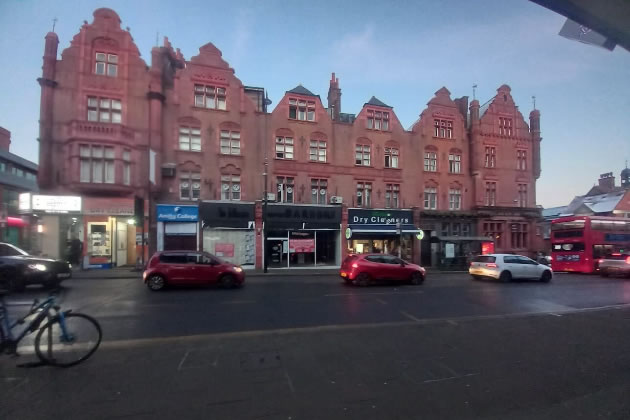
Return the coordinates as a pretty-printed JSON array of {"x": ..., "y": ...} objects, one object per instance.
[
  {"x": 168, "y": 172},
  {"x": 335, "y": 199},
  {"x": 271, "y": 197}
]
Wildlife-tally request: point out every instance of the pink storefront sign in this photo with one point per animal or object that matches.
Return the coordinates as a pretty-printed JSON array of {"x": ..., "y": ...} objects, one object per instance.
[{"x": 302, "y": 245}]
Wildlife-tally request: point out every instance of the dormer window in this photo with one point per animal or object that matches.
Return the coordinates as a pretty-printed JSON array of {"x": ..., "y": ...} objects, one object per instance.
[
  {"x": 377, "y": 120},
  {"x": 505, "y": 126},
  {"x": 302, "y": 110},
  {"x": 106, "y": 64}
]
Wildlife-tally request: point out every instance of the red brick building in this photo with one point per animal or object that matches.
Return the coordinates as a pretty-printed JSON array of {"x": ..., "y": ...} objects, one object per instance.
[{"x": 462, "y": 175}]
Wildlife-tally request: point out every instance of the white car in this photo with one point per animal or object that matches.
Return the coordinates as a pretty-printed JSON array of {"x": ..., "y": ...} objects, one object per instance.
[{"x": 506, "y": 267}]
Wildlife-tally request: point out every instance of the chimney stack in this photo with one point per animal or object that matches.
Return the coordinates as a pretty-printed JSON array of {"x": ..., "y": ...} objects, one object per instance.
[
  {"x": 5, "y": 139},
  {"x": 607, "y": 182},
  {"x": 334, "y": 98}
]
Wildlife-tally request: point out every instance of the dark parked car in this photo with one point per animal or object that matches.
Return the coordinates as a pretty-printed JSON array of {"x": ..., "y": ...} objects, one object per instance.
[
  {"x": 18, "y": 269},
  {"x": 190, "y": 268},
  {"x": 362, "y": 269}
]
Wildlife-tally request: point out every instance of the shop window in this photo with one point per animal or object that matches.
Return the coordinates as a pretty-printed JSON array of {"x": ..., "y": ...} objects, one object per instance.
[
  {"x": 286, "y": 189},
  {"x": 230, "y": 142},
  {"x": 319, "y": 189},
  {"x": 317, "y": 152},
  {"x": 126, "y": 167},
  {"x": 364, "y": 194},
  {"x": 362, "y": 155},
  {"x": 377, "y": 120},
  {"x": 190, "y": 186},
  {"x": 105, "y": 110},
  {"x": 284, "y": 148},
  {"x": 106, "y": 64},
  {"x": 391, "y": 157},
  {"x": 392, "y": 195},
  {"x": 96, "y": 164},
  {"x": 231, "y": 187},
  {"x": 430, "y": 198},
  {"x": 190, "y": 139},
  {"x": 465, "y": 229},
  {"x": 210, "y": 97},
  {"x": 302, "y": 110},
  {"x": 446, "y": 228}
]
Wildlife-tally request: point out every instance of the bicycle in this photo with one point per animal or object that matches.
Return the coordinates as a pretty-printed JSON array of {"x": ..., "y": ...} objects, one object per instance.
[{"x": 68, "y": 338}]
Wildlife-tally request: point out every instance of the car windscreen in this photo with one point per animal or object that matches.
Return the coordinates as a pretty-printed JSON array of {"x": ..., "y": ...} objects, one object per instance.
[
  {"x": 484, "y": 259},
  {"x": 8, "y": 250}
]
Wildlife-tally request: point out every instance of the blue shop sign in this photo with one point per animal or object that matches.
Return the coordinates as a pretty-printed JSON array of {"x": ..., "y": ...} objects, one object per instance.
[{"x": 172, "y": 213}]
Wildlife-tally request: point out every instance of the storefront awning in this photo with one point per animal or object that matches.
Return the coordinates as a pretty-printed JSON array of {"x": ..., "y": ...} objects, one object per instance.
[{"x": 465, "y": 238}]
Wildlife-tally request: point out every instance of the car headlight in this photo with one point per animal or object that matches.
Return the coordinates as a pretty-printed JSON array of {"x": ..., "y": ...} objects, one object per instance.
[
  {"x": 238, "y": 269},
  {"x": 39, "y": 267}
]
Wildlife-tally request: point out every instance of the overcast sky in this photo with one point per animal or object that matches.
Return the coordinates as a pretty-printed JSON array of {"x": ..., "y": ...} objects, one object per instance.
[{"x": 401, "y": 54}]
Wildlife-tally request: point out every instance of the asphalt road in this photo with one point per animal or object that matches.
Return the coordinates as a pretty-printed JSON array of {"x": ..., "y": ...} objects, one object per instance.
[{"x": 309, "y": 347}]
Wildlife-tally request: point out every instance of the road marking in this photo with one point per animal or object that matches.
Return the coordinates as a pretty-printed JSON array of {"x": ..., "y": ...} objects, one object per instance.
[
  {"x": 554, "y": 314},
  {"x": 428, "y": 381},
  {"x": 289, "y": 381},
  {"x": 381, "y": 301},
  {"x": 450, "y": 321},
  {"x": 374, "y": 293},
  {"x": 139, "y": 342},
  {"x": 183, "y": 360},
  {"x": 408, "y": 315}
]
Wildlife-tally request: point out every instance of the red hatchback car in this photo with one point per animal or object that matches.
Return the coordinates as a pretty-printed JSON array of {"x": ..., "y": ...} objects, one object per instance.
[
  {"x": 362, "y": 269},
  {"x": 190, "y": 267}
]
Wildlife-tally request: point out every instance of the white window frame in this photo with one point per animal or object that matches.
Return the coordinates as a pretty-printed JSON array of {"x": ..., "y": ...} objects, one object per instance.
[
  {"x": 391, "y": 157},
  {"x": 454, "y": 199},
  {"x": 210, "y": 96},
  {"x": 362, "y": 154},
  {"x": 231, "y": 188},
  {"x": 430, "y": 198},
  {"x": 190, "y": 181},
  {"x": 285, "y": 186},
  {"x": 491, "y": 157},
  {"x": 105, "y": 110},
  {"x": 392, "y": 196},
  {"x": 455, "y": 163},
  {"x": 230, "y": 142},
  {"x": 319, "y": 191},
  {"x": 318, "y": 150},
  {"x": 190, "y": 138},
  {"x": 377, "y": 120},
  {"x": 491, "y": 194},
  {"x": 97, "y": 164},
  {"x": 302, "y": 109},
  {"x": 285, "y": 148},
  {"x": 106, "y": 64},
  {"x": 430, "y": 161},
  {"x": 364, "y": 194}
]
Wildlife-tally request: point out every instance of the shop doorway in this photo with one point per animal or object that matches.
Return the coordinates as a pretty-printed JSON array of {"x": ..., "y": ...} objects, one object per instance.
[
  {"x": 180, "y": 242},
  {"x": 121, "y": 244},
  {"x": 277, "y": 251}
]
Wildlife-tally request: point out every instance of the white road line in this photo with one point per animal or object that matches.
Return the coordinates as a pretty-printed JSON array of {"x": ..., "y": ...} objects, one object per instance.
[
  {"x": 381, "y": 301},
  {"x": 183, "y": 360},
  {"x": 408, "y": 315},
  {"x": 450, "y": 321},
  {"x": 419, "y": 292},
  {"x": 428, "y": 381},
  {"x": 139, "y": 342},
  {"x": 554, "y": 314},
  {"x": 289, "y": 381}
]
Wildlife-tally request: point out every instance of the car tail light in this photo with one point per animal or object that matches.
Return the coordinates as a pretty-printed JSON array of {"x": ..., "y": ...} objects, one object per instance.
[
  {"x": 600, "y": 261},
  {"x": 355, "y": 265},
  {"x": 491, "y": 265},
  {"x": 472, "y": 263},
  {"x": 627, "y": 260}
]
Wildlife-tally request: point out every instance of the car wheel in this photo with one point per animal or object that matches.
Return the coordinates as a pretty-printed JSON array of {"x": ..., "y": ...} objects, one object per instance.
[
  {"x": 546, "y": 276},
  {"x": 475, "y": 277},
  {"x": 156, "y": 282},
  {"x": 363, "y": 280},
  {"x": 416, "y": 278},
  {"x": 227, "y": 281},
  {"x": 505, "y": 277}
]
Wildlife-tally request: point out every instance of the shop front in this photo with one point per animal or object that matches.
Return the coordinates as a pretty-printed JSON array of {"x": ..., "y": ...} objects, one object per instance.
[
  {"x": 110, "y": 232},
  {"x": 386, "y": 231},
  {"x": 228, "y": 231},
  {"x": 177, "y": 227},
  {"x": 57, "y": 221},
  {"x": 302, "y": 236}
]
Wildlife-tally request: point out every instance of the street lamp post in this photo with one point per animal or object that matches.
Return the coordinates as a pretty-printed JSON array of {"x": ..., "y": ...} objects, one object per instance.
[{"x": 264, "y": 216}]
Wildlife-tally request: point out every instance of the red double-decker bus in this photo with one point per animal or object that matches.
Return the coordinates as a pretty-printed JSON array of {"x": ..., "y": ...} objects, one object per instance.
[{"x": 578, "y": 242}]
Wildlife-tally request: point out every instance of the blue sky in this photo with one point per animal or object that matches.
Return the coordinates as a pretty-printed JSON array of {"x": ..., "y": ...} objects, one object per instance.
[{"x": 400, "y": 54}]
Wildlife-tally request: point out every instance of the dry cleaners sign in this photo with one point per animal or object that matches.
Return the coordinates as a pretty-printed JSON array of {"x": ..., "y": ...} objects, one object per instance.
[{"x": 379, "y": 217}]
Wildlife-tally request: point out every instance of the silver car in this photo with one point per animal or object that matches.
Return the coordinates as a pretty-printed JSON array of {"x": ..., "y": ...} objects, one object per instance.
[
  {"x": 508, "y": 267},
  {"x": 615, "y": 264}
]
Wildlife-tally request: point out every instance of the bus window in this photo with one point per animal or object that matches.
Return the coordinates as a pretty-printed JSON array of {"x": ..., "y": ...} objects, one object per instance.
[
  {"x": 578, "y": 246},
  {"x": 574, "y": 224}
]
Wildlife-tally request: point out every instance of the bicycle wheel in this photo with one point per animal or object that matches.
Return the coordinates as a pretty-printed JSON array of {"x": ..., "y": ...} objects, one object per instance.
[{"x": 55, "y": 348}]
